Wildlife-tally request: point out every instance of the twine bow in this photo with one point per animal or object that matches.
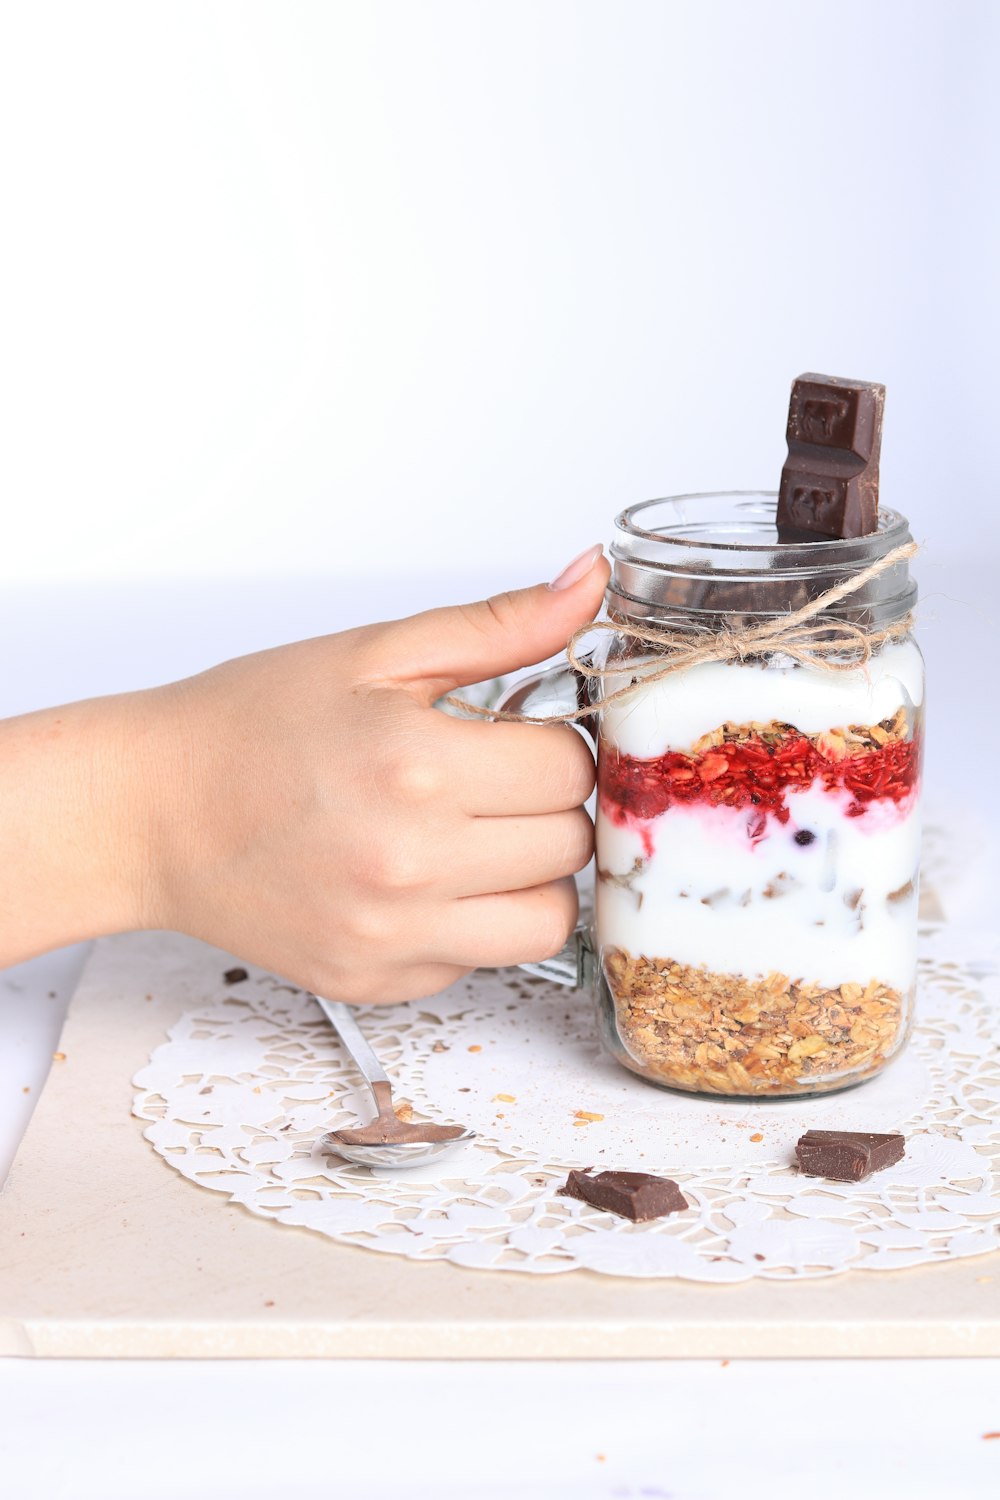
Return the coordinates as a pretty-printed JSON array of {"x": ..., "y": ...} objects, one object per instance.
[{"x": 831, "y": 646}]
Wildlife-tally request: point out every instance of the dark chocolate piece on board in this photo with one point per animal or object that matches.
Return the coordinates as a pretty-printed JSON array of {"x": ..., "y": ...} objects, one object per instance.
[
  {"x": 847, "y": 1155},
  {"x": 829, "y": 485},
  {"x": 634, "y": 1195},
  {"x": 235, "y": 976}
]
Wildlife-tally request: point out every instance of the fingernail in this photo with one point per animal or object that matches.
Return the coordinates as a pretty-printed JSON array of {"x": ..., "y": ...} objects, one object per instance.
[{"x": 578, "y": 568}]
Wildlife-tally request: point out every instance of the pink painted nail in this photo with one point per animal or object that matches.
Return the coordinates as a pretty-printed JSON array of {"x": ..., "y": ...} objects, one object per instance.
[{"x": 578, "y": 568}]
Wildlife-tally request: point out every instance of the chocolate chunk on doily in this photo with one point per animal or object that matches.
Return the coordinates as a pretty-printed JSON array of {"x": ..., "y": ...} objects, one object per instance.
[
  {"x": 633, "y": 1195},
  {"x": 235, "y": 976},
  {"x": 847, "y": 1155},
  {"x": 829, "y": 485}
]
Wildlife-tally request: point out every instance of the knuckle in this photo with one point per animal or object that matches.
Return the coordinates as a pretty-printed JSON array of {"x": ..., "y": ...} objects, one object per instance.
[
  {"x": 412, "y": 775},
  {"x": 368, "y": 928},
  {"x": 503, "y": 609},
  {"x": 498, "y": 610}
]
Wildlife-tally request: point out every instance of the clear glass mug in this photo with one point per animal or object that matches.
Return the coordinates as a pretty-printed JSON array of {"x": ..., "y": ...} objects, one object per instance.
[{"x": 758, "y": 820}]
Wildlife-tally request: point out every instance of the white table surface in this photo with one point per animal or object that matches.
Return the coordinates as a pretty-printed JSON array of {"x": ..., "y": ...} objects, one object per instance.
[{"x": 691, "y": 1430}]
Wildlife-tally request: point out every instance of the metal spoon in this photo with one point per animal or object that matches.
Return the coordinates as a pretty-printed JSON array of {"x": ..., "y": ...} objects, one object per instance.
[{"x": 387, "y": 1141}]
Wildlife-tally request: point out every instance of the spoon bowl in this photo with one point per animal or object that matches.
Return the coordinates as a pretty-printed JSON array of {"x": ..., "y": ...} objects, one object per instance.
[
  {"x": 388, "y": 1141},
  {"x": 395, "y": 1153}
]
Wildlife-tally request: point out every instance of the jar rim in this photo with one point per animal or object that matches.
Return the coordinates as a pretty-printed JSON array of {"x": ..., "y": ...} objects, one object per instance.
[
  {"x": 716, "y": 553},
  {"x": 893, "y": 528}
]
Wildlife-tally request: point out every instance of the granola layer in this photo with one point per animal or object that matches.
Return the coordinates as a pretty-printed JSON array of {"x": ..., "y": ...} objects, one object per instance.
[{"x": 693, "y": 1029}]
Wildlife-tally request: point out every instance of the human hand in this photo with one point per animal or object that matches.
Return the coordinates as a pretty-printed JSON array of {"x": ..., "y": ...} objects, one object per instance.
[{"x": 314, "y": 813}]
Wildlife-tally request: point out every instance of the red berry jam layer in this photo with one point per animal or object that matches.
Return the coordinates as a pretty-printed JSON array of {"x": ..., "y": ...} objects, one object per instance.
[{"x": 756, "y": 766}]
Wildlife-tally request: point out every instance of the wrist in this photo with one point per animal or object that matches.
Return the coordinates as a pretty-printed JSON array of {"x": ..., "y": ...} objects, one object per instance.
[
  {"x": 133, "y": 771},
  {"x": 75, "y": 815}
]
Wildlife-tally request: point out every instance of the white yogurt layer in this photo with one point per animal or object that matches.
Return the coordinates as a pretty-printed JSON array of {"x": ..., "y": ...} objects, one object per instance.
[
  {"x": 673, "y": 713},
  {"x": 709, "y": 895}
]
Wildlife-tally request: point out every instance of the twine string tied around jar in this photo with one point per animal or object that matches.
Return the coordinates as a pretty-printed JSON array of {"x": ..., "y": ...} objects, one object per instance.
[{"x": 830, "y": 645}]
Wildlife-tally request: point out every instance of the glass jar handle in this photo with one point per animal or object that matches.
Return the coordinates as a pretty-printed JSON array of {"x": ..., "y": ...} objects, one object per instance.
[{"x": 557, "y": 690}]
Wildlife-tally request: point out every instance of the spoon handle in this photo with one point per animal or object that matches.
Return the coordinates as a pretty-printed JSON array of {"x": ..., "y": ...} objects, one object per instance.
[{"x": 347, "y": 1028}]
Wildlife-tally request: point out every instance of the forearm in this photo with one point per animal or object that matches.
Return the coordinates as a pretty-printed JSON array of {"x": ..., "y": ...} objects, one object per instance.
[
  {"x": 75, "y": 823},
  {"x": 310, "y": 810}
]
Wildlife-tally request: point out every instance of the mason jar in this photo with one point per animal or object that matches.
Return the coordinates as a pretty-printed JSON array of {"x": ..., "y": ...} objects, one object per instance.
[{"x": 758, "y": 806}]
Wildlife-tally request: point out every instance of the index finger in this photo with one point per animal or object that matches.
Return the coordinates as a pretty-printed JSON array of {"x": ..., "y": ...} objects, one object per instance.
[{"x": 499, "y": 768}]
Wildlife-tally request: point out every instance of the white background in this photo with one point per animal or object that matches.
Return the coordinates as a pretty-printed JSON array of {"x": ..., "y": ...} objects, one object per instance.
[
  {"x": 328, "y": 288},
  {"x": 311, "y": 312}
]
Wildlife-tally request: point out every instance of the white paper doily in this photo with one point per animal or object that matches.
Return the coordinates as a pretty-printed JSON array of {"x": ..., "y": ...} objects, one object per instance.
[{"x": 238, "y": 1097}]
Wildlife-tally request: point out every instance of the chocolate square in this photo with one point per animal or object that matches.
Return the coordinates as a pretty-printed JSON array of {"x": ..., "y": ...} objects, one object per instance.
[
  {"x": 847, "y": 1155},
  {"x": 633, "y": 1195}
]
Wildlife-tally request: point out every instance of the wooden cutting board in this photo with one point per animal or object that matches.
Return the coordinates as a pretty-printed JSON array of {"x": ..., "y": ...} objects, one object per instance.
[{"x": 104, "y": 1251}]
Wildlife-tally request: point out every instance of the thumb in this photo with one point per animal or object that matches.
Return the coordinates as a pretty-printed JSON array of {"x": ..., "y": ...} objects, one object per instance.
[{"x": 465, "y": 643}]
